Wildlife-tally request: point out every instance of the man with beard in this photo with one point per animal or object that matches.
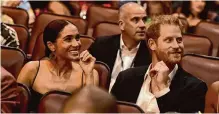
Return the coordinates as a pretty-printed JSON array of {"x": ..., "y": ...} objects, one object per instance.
[
  {"x": 163, "y": 86},
  {"x": 127, "y": 49}
]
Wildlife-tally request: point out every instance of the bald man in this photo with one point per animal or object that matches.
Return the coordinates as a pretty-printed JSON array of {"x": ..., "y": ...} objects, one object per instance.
[
  {"x": 127, "y": 49},
  {"x": 90, "y": 99}
]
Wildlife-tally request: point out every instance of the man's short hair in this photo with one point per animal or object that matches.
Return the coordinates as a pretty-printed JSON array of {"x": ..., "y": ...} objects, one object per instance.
[{"x": 153, "y": 30}]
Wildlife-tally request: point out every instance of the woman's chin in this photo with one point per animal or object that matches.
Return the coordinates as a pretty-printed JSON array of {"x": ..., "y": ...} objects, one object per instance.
[{"x": 74, "y": 58}]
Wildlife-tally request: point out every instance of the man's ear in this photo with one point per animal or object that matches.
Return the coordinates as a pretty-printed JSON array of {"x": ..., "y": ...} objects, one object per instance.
[
  {"x": 152, "y": 44},
  {"x": 51, "y": 46},
  {"x": 121, "y": 24}
]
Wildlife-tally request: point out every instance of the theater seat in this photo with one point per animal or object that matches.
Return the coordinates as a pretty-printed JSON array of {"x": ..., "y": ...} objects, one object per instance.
[
  {"x": 23, "y": 35},
  {"x": 52, "y": 102},
  {"x": 75, "y": 7},
  {"x": 97, "y": 14},
  {"x": 12, "y": 59},
  {"x": 126, "y": 107},
  {"x": 203, "y": 67},
  {"x": 184, "y": 23},
  {"x": 210, "y": 30},
  {"x": 212, "y": 98},
  {"x": 197, "y": 44},
  {"x": 23, "y": 98},
  {"x": 45, "y": 18},
  {"x": 106, "y": 29},
  {"x": 104, "y": 74},
  {"x": 19, "y": 16},
  {"x": 39, "y": 49}
]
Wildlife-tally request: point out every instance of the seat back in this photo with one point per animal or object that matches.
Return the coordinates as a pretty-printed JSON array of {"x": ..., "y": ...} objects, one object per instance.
[
  {"x": 184, "y": 23},
  {"x": 45, "y": 18},
  {"x": 75, "y": 6},
  {"x": 210, "y": 30},
  {"x": 23, "y": 35},
  {"x": 212, "y": 98},
  {"x": 39, "y": 49},
  {"x": 97, "y": 14},
  {"x": 197, "y": 44},
  {"x": 104, "y": 74},
  {"x": 52, "y": 102},
  {"x": 23, "y": 98},
  {"x": 126, "y": 107},
  {"x": 12, "y": 59},
  {"x": 19, "y": 16},
  {"x": 205, "y": 68},
  {"x": 106, "y": 29}
]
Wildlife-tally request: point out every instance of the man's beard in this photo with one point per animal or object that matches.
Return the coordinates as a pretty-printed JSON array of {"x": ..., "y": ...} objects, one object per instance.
[{"x": 168, "y": 58}]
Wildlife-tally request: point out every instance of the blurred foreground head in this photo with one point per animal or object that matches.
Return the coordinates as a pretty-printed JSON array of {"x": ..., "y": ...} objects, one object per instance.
[{"x": 90, "y": 99}]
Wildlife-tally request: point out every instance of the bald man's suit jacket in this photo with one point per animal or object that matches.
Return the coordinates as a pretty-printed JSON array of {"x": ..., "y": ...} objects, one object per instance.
[{"x": 105, "y": 49}]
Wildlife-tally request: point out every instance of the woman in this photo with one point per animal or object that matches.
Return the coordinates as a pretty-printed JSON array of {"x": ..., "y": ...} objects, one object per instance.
[
  {"x": 65, "y": 67},
  {"x": 194, "y": 11}
]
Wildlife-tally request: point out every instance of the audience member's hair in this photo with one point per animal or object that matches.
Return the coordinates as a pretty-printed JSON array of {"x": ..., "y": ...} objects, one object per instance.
[
  {"x": 166, "y": 6},
  {"x": 153, "y": 31},
  {"x": 186, "y": 10},
  {"x": 90, "y": 99},
  {"x": 52, "y": 31}
]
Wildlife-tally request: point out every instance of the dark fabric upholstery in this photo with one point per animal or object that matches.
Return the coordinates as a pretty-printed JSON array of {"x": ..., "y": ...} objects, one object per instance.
[
  {"x": 210, "y": 30},
  {"x": 106, "y": 29},
  {"x": 203, "y": 67},
  {"x": 12, "y": 59},
  {"x": 97, "y": 14},
  {"x": 19, "y": 16},
  {"x": 197, "y": 44}
]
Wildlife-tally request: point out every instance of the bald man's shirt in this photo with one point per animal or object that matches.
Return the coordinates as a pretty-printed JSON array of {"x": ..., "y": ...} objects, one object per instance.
[{"x": 127, "y": 56}]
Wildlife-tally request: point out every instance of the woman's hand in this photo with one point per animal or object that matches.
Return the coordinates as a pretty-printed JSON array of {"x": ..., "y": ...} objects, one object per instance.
[{"x": 87, "y": 62}]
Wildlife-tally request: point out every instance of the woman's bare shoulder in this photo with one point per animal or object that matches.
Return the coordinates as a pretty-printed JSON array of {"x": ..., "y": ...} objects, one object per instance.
[
  {"x": 28, "y": 72},
  {"x": 31, "y": 65}
]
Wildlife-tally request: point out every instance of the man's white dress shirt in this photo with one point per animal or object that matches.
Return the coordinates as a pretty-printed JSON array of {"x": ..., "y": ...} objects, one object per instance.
[
  {"x": 146, "y": 100},
  {"x": 127, "y": 56}
]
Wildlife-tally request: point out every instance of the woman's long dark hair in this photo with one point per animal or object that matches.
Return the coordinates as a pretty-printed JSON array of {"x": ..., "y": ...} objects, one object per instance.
[
  {"x": 52, "y": 31},
  {"x": 186, "y": 10}
]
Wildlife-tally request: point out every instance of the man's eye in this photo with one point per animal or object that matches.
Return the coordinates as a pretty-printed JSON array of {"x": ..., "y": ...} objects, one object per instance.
[
  {"x": 135, "y": 20},
  {"x": 144, "y": 19},
  {"x": 168, "y": 40},
  {"x": 179, "y": 40}
]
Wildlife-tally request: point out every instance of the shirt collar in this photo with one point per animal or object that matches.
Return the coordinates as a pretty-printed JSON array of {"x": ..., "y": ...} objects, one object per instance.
[
  {"x": 171, "y": 75},
  {"x": 123, "y": 46}
]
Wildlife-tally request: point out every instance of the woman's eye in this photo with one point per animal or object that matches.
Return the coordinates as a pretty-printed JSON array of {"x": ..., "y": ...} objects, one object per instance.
[
  {"x": 77, "y": 37},
  {"x": 68, "y": 39}
]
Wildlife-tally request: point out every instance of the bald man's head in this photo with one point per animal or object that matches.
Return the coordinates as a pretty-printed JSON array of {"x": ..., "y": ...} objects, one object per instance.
[
  {"x": 132, "y": 17},
  {"x": 129, "y": 7}
]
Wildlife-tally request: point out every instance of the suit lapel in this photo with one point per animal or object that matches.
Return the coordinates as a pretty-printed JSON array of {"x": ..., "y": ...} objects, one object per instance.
[
  {"x": 143, "y": 56},
  {"x": 171, "y": 99},
  {"x": 135, "y": 86},
  {"x": 112, "y": 52}
]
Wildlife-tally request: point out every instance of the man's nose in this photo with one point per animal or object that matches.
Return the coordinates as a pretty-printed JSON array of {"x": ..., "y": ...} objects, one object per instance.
[
  {"x": 142, "y": 24},
  {"x": 175, "y": 44}
]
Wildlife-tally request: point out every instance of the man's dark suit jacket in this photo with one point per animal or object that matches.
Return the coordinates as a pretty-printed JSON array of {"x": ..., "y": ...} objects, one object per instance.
[
  {"x": 187, "y": 93},
  {"x": 105, "y": 49}
]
